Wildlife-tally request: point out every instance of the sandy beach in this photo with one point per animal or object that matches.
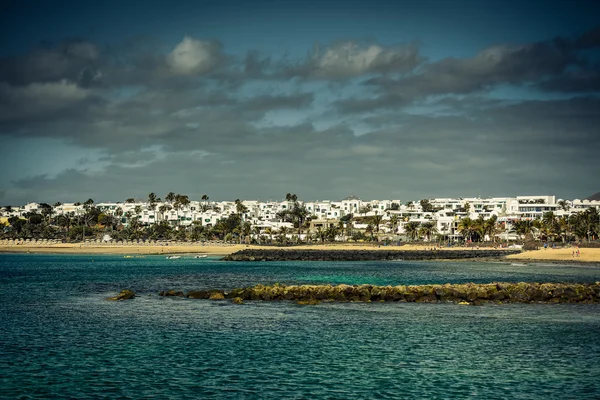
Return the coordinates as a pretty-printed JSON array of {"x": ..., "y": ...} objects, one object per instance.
[
  {"x": 207, "y": 248},
  {"x": 586, "y": 255}
]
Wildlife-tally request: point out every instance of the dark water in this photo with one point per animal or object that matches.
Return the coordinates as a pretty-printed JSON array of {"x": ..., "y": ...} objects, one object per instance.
[{"x": 59, "y": 338}]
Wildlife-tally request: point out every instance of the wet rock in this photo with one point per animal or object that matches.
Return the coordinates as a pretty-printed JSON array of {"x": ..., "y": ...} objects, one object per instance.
[
  {"x": 198, "y": 294},
  {"x": 237, "y": 300},
  {"x": 311, "y": 302},
  {"x": 217, "y": 296},
  {"x": 470, "y": 293},
  {"x": 172, "y": 293},
  {"x": 123, "y": 295}
]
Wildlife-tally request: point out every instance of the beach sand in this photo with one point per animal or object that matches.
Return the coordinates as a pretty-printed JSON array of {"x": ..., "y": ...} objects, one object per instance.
[
  {"x": 208, "y": 248},
  {"x": 586, "y": 255}
]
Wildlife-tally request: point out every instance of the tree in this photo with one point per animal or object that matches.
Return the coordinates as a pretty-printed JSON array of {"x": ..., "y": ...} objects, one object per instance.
[
  {"x": 130, "y": 200},
  {"x": 394, "y": 220},
  {"x": 491, "y": 227},
  {"x": 240, "y": 208},
  {"x": 394, "y": 207},
  {"x": 170, "y": 197},
  {"x": 152, "y": 200},
  {"x": 320, "y": 234},
  {"x": 412, "y": 229},
  {"x": 204, "y": 206},
  {"x": 467, "y": 227},
  {"x": 376, "y": 221},
  {"x": 283, "y": 231},
  {"x": 426, "y": 205},
  {"x": 524, "y": 227},
  {"x": 564, "y": 205},
  {"x": 427, "y": 230},
  {"x": 365, "y": 209},
  {"x": 181, "y": 201}
]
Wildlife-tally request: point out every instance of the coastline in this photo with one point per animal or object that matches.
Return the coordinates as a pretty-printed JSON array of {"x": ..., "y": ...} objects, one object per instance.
[{"x": 587, "y": 255}]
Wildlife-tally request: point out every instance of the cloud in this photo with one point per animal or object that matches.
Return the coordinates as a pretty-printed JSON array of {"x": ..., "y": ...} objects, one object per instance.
[
  {"x": 351, "y": 59},
  {"x": 194, "y": 57},
  {"x": 554, "y": 65},
  {"x": 253, "y": 126},
  {"x": 39, "y": 100},
  {"x": 76, "y": 61}
]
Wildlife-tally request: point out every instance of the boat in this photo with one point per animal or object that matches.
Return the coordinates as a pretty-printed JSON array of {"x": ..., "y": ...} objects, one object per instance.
[
  {"x": 173, "y": 257},
  {"x": 201, "y": 256}
]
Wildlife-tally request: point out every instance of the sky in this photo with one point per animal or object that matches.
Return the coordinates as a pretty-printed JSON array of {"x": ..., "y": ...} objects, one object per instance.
[{"x": 398, "y": 100}]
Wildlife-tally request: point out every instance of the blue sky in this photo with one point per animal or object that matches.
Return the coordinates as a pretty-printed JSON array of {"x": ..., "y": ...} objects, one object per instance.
[{"x": 385, "y": 99}]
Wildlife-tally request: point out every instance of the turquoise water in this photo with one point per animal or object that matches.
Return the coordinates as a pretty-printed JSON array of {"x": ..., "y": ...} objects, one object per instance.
[{"x": 59, "y": 338}]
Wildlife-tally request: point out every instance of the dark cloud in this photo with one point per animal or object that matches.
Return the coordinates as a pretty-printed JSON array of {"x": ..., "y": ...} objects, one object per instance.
[
  {"x": 76, "y": 61},
  {"x": 553, "y": 65},
  {"x": 196, "y": 120}
]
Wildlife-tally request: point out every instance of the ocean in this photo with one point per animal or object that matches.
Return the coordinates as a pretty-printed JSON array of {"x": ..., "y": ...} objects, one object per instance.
[{"x": 60, "y": 338}]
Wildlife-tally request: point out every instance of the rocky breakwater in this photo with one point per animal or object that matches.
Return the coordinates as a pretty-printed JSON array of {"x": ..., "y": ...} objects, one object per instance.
[
  {"x": 470, "y": 293},
  {"x": 125, "y": 294},
  {"x": 362, "y": 255}
]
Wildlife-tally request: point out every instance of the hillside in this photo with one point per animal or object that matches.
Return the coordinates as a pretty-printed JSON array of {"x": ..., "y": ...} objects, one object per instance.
[{"x": 594, "y": 197}]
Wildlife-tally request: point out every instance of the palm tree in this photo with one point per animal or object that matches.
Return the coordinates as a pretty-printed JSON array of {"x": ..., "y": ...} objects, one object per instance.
[
  {"x": 152, "y": 200},
  {"x": 394, "y": 219},
  {"x": 283, "y": 231},
  {"x": 332, "y": 232},
  {"x": 256, "y": 232},
  {"x": 240, "y": 208},
  {"x": 466, "y": 227},
  {"x": 524, "y": 227},
  {"x": 369, "y": 229},
  {"x": 205, "y": 202},
  {"x": 376, "y": 221},
  {"x": 245, "y": 231},
  {"x": 162, "y": 210},
  {"x": 170, "y": 197},
  {"x": 320, "y": 234},
  {"x": 269, "y": 231},
  {"x": 427, "y": 230},
  {"x": 564, "y": 205},
  {"x": 491, "y": 227},
  {"x": 564, "y": 227},
  {"x": 299, "y": 214},
  {"x": 412, "y": 229}
]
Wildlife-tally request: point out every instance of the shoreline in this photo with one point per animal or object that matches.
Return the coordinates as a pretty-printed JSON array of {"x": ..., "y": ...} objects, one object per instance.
[{"x": 587, "y": 255}]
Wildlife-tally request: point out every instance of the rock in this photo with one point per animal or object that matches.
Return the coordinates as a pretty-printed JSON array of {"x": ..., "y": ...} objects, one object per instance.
[
  {"x": 361, "y": 255},
  {"x": 124, "y": 295},
  {"x": 172, "y": 293},
  {"x": 523, "y": 292},
  {"x": 217, "y": 296},
  {"x": 311, "y": 302},
  {"x": 237, "y": 300},
  {"x": 198, "y": 294}
]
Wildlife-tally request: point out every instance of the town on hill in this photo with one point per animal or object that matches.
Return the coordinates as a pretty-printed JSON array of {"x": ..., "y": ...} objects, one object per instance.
[{"x": 176, "y": 217}]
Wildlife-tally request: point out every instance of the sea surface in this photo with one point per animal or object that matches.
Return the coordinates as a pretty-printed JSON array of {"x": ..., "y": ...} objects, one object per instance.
[{"x": 60, "y": 338}]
